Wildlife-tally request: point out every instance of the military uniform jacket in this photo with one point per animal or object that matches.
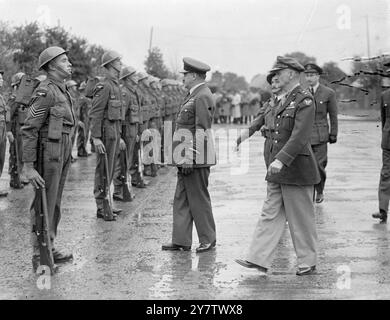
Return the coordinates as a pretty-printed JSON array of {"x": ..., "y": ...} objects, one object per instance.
[
  {"x": 325, "y": 102},
  {"x": 385, "y": 119},
  {"x": 194, "y": 123},
  {"x": 4, "y": 113},
  {"x": 18, "y": 112},
  {"x": 131, "y": 105},
  {"x": 85, "y": 107},
  {"x": 168, "y": 102},
  {"x": 293, "y": 122},
  {"x": 106, "y": 106},
  {"x": 50, "y": 104}
]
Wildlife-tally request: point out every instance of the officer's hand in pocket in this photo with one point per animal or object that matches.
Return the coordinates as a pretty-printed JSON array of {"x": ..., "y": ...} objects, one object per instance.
[
  {"x": 33, "y": 176},
  {"x": 99, "y": 146}
]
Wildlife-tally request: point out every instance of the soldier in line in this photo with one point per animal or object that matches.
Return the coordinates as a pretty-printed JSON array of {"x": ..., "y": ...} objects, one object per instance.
[
  {"x": 384, "y": 181},
  {"x": 147, "y": 114},
  {"x": 5, "y": 130},
  {"x": 291, "y": 175},
  {"x": 160, "y": 112},
  {"x": 192, "y": 201},
  {"x": 106, "y": 125},
  {"x": 130, "y": 127},
  {"x": 47, "y": 142},
  {"x": 167, "y": 116},
  {"x": 71, "y": 85},
  {"x": 83, "y": 130},
  {"x": 325, "y": 103},
  {"x": 18, "y": 114}
]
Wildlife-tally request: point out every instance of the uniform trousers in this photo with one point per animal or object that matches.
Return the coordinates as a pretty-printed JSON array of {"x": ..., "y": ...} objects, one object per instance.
[
  {"x": 384, "y": 182},
  {"x": 192, "y": 204},
  {"x": 321, "y": 155},
  {"x": 285, "y": 203},
  {"x": 54, "y": 173},
  {"x": 129, "y": 137},
  {"x": 111, "y": 139},
  {"x": 3, "y": 145}
]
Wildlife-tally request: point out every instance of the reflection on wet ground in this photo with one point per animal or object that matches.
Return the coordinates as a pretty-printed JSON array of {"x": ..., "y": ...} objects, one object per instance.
[{"x": 123, "y": 259}]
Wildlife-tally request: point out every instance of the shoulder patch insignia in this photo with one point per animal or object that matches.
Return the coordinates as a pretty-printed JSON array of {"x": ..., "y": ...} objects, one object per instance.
[{"x": 307, "y": 101}]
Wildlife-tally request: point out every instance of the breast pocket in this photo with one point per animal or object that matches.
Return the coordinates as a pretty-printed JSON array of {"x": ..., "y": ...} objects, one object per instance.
[
  {"x": 114, "y": 110},
  {"x": 288, "y": 119},
  {"x": 187, "y": 116}
]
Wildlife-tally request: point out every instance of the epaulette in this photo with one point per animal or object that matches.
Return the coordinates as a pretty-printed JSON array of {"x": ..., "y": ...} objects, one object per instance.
[{"x": 98, "y": 87}]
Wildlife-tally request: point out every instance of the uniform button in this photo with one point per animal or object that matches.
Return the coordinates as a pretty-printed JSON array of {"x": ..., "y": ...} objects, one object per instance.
[
  {"x": 277, "y": 132},
  {"x": 278, "y": 117},
  {"x": 276, "y": 141},
  {"x": 277, "y": 124}
]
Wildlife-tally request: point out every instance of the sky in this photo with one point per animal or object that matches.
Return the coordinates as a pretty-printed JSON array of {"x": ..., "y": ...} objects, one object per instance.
[{"x": 240, "y": 36}]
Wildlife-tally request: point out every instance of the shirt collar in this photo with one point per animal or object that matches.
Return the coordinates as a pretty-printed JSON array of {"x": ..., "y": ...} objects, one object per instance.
[
  {"x": 58, "y": 83},
  {"x": 316, "y": 87},
  {"x": 196, "y": 86}
]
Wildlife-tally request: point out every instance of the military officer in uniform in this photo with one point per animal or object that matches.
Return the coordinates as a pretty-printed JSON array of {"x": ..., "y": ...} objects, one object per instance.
[
  {"x": 326, "y": 104},
  {"x": 47, "y": 143},
  {"x": 291, "y": 176},
  {"x": 18, "y": 113},
  {"x": 106, "y": 125},
  {"x": 5, "y": 130},
  {"x": 384, "y": 182},
  {"x": 192, "y": 201}
]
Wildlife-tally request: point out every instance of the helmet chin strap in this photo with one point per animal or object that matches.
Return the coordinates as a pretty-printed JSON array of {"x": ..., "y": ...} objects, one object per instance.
[{"x": 62, "y": 71}]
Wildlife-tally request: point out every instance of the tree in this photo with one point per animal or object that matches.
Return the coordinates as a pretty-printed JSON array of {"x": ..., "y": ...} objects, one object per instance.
[
  {"x": 233, "y": 82},
  {"x": 301, "y": 57},
  {"x": 154, "y": 64},
  {"x": 28, "y": 45}
]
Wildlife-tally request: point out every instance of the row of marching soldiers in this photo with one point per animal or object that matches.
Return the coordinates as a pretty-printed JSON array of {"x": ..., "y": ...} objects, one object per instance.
[{"x": 112, "y": 112}]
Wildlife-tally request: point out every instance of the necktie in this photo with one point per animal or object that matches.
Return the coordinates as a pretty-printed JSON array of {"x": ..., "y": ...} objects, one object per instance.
[{"x": 312, "y": 91}]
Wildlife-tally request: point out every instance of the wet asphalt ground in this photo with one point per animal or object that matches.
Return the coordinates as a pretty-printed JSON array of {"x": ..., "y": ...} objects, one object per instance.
[{"x": 123, "y": 259}]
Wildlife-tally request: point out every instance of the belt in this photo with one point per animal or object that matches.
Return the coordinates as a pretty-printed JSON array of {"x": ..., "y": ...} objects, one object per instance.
[{"x": 66, "y": 129}]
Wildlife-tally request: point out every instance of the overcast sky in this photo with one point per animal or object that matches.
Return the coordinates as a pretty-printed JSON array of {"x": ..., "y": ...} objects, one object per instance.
[{"x": 242, "y": 36}]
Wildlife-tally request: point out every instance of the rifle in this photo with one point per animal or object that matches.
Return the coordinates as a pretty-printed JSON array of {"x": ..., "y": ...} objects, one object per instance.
[
  {"x": 107, "y": 204},
  {"x": 15, "y": 170},
  {"x": 127, "y": 196},
  {"x": 42, "y": 219},
  {"x": 140, "y": 163}
]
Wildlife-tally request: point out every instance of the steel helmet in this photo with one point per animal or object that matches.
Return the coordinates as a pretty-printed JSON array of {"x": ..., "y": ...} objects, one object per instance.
[
  {"x": 126, "y": 71},
  {"x": 71, "y": 83},
  {"x": 83, "y": 85},
  {"x": 16, "y": 78},
  {"x": 49, "y": 54},
  {"x": 109, "y": 56}
]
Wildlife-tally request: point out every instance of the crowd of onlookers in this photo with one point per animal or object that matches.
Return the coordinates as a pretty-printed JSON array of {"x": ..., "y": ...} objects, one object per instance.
[{"x": 238, "y": 107}]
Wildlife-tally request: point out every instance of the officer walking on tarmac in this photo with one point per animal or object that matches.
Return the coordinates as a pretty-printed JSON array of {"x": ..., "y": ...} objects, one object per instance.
[
  {"x": 384, "y": 182},
  {"x": 291, "y": 175},
  {"x": 325, "y": 103},
  {"x": 47, "y": 143},
  {"x": 106, "y": 125},
  {"x": 5, "y": 130},
  {"x": 192, "y": 201}
]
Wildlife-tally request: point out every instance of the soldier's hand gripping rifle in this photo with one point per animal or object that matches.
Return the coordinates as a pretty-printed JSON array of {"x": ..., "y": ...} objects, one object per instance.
[
  {"x": 127, "y": 196},
  {"x": 42, "y": 220},
  {"x": 107, "y": 203},
  {"x": 140, "y": 162}
]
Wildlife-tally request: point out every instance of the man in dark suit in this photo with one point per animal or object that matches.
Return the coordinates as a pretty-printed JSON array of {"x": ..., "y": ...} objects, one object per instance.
[
  {"x": 325, "y": 103},
  {"x": 193, "y": 153},
  {"x": 291, "y": 176},
  {"x": 384, "y": 182}
]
